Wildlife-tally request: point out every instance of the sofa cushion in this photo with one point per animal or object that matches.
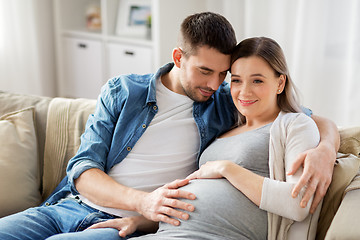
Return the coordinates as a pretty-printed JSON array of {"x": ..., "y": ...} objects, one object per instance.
[
  {"x": 345, "y": 222},
  {"x": 346, "y": 168},
  {"x": 11, "y": 102},
  {"x": 350, "y": 140},
  {"x": 19, "y": 164},
  {"x": 342, "y": 226}
]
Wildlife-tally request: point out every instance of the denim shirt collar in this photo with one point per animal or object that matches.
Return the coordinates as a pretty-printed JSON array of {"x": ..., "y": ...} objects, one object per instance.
[{"x": 151, "y": 97}]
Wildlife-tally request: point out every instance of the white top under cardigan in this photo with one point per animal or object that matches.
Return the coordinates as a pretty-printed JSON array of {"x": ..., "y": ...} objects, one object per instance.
[{"x": 290, "y": 135}]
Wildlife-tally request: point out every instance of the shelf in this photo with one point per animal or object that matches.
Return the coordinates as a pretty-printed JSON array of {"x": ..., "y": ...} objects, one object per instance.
[
  {"x": 130, "y": 40},
  {"x": 82, "y": 34},
  {"x": 114, "y": 39}
]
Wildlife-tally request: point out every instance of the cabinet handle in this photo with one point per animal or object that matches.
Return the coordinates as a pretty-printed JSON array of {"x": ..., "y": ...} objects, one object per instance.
[
  {"x": 129, "y": 53},
  {"x": 82, "y": 45}
]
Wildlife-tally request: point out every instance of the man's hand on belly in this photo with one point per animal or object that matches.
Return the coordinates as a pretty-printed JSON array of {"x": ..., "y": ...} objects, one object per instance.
[{"x": 160, "y": 204}]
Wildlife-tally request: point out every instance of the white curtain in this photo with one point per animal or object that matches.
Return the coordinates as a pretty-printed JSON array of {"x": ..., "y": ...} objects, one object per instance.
[
  {"x": 321, "y": 40},
  {"x": 27, "y": 62}
]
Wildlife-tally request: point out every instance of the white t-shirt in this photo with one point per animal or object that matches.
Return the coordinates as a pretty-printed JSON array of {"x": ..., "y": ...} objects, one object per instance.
[{"x": 166, "y": 151}]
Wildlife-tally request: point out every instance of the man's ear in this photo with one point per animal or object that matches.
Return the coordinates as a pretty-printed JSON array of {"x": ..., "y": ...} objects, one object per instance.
[{"x": 177, "y": 55}]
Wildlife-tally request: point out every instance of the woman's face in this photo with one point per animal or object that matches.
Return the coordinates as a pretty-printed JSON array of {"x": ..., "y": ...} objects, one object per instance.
[{"x": 254, "y": 88}]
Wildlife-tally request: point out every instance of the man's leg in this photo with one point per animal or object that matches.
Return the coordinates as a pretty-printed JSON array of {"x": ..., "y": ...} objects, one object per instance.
[
  {"x": 30, "y": 224},
  {"x": 95, "y": 234},
  {"x": 69, "y": 215}
]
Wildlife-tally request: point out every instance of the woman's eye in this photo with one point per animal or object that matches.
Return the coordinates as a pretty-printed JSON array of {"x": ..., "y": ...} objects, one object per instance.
[
  {"x": 258, "y": 81},
  {"x": 235, "y": 80}
]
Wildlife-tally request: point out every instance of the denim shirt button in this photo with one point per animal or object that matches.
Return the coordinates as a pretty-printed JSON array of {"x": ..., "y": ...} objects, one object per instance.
[
  {"x": 155, "y": 107},
  {"x": 47, "y": 204},
  {"x": 144, "y": 126},
  {"x": 128, "y": 148}
]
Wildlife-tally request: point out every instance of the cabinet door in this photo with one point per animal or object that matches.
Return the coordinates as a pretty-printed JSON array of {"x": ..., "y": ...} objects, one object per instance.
[
  {"x": 82, "y": 68},
  {"x": 125, "y": 58}
]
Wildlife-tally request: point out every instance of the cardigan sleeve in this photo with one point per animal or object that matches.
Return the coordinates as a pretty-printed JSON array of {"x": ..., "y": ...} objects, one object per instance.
[{"x": 299, "y": 134}]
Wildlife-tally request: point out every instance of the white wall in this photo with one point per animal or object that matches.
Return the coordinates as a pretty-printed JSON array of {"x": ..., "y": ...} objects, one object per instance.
[
  {"x": 27, "y": 61},
  {"x": 320, "y": 40}
]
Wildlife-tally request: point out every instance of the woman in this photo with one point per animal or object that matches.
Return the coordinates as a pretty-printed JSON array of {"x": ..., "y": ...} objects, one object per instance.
[{"x": 248, "y": 194}]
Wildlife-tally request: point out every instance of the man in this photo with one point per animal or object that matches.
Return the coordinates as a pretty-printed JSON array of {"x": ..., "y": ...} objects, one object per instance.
[{"x": 149, "y": 130}]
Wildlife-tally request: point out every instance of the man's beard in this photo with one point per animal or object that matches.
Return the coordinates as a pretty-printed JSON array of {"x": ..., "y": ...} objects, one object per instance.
[{"x": 195, "y": 95}]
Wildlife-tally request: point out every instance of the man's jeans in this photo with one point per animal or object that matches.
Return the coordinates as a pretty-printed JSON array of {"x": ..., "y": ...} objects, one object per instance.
[{"x": 65, "y": 220}]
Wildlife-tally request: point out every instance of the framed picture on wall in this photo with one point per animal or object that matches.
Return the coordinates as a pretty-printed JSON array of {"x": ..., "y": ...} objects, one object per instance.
[{"x": 134, "y": 17}]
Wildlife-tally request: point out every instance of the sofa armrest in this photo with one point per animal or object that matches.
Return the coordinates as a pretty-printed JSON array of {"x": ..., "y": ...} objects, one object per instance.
[{"x": 344, "y": 224}]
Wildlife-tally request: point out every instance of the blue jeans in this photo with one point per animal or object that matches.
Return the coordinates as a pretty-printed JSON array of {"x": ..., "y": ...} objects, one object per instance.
[{"x": 64, "y": 220}]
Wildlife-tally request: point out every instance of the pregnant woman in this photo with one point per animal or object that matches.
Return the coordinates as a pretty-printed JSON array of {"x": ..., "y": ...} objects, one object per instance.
[{"x": 242, "y": 189}]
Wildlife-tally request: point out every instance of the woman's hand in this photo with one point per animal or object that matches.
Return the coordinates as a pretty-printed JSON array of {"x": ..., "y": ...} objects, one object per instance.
[
  {"x": 244, "y": 180},
  {"x": 126, "y": 226},
  {"x": 211, "y": 169}
]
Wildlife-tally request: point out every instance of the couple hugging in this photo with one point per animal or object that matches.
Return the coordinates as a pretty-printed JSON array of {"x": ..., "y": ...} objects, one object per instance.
[{"x": 250, "y": 162}]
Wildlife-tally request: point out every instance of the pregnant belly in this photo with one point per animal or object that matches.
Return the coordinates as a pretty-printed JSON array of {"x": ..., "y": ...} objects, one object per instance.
[{"x": 223, "y": 210}]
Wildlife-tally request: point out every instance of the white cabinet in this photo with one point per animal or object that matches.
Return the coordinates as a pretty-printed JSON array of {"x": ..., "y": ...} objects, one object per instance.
[
  {"x": 87, "y": 58},
  {"x": 127, "y": 58},
  {"x": 83, "y": 65}
]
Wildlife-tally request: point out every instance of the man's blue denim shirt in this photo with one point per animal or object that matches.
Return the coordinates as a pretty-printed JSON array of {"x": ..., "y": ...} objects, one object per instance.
[{"x": 124, "y": 110}]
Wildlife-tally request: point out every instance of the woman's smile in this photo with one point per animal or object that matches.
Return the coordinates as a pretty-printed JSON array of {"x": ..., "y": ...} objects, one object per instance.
[{"x": 246, "y": 103}]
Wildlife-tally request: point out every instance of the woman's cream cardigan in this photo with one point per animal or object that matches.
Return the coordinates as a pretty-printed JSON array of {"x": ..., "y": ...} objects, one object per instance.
[{"x": 290, "y": 135}]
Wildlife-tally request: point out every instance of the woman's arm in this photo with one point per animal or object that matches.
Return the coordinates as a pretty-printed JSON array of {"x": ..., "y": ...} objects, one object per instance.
[
  {"x": 271, "y": 195},
  {"x": 298, "y": 135},
  {"x": 318, "y": 164},
  {"x": 244, "y": 180}
]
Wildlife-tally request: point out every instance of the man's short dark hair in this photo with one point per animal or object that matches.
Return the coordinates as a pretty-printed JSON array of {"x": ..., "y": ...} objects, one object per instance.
[{"x": 206, "y": 29}]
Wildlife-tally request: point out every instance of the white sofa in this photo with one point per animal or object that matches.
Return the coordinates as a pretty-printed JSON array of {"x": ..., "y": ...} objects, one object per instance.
[{"x": 38, "y": 135}]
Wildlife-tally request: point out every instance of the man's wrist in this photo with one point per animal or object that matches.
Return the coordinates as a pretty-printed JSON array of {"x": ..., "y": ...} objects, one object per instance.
[
  {"x": 329, "y": 149},
  {"x": 137, "y": 200}
]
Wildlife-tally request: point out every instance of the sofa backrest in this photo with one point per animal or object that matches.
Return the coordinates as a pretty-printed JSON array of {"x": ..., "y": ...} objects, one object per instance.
[
  {"x": 59, "y": 123},
  {"x": 66, "y": 122},
  {"x": 52, "y": 156}
]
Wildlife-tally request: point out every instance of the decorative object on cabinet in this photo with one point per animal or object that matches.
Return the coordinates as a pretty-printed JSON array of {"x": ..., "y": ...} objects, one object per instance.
[
  {"x": 93, "y": 17},
  {"x": 133, "y": 17},
  {"x": 148, "y": 28}
]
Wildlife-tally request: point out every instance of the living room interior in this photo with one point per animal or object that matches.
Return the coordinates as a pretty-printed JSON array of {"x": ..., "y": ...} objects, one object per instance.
[
  {"x": 41, "y": 53},
  {"x": 56, "y": 54}
]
